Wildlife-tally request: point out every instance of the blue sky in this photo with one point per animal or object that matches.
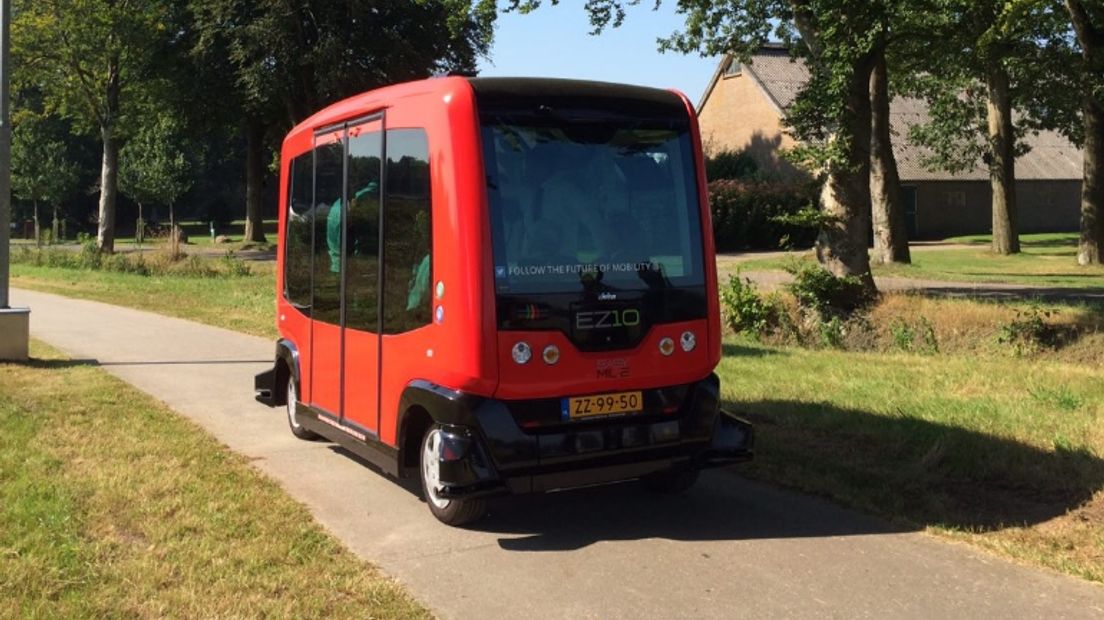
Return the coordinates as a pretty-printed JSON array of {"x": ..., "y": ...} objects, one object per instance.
[{"x": 554, "y": 42}]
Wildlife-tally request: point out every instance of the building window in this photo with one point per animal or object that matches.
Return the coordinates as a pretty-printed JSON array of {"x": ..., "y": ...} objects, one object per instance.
[
  {"x": 955, "y": 199},
  {"x": 733, "y": 69}
]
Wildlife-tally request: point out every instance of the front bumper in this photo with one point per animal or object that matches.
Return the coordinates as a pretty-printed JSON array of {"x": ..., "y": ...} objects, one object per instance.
[{"x": 487, "y": 452}]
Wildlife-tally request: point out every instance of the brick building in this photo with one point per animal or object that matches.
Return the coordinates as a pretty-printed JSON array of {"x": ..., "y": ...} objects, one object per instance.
[{"x": 743, "y": 109}]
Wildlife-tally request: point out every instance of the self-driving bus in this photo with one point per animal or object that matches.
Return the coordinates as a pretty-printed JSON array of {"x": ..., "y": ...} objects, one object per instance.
[{"x": 502, "y": 286}]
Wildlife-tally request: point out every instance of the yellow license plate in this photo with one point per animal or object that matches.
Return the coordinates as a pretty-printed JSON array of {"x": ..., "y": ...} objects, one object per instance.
[{"x": 601, "y": 404}]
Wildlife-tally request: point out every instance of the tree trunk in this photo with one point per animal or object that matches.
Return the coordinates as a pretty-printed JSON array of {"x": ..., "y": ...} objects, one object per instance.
[
  {"x": 1090, "y": 248},
  {"x": 37, "y": 227},
  {"x": 109, "y": 171},
  {"x": 842, "y": 242},
  {"x": 1002, "y": 162},
  {"x": 887, "y": 202},
  {"x": 54, "y": 227},
  {"x": 254, "y": 177},
  {"x": 109, "y": 177}
]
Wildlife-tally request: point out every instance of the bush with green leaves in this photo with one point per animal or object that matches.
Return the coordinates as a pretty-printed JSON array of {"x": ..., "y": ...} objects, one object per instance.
[
  {"x": 918, "y": 337},
  {"x": 761, "y": 215},
  {"x": 745, "y": 310},
  {"x": 1029, "y": 332},
  {"x": 731, "y": 165},
  {"x": 826, "y": 295}
]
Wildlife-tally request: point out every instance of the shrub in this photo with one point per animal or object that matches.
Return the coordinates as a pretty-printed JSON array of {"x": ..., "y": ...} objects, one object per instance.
[
  {"x": 760, "y": 215},
  {"x": 1029, "y": 331},
  {"x": 745, "y": 310},
  {"x": 731, "y": 165},
  {"x": 827, "y": 296},
  {"x": 919, "y": 338}
]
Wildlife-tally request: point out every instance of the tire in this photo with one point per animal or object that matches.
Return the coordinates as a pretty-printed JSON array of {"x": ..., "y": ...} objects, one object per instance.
[
  {"x": 292, "y": 407},
  {"x": 454, "y": 512},
  {"x": 671, "y": 482}
]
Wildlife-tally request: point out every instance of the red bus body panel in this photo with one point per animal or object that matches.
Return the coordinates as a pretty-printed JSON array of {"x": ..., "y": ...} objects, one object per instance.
[{"x": 465, "y": 351}]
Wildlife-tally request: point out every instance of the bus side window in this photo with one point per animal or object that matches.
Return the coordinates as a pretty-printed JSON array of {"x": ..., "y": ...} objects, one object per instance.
[
  {"x": 297, "y": 243},
  {"x": 329, "y": 171},
  {"x": 362, "y": 244},
  {"x": 408, "y": 223}
]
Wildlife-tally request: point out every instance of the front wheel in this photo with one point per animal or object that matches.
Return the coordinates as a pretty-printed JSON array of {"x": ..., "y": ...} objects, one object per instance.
[
  {"x": 453, "y": 512},
  {"x": 297, "y": 429}
]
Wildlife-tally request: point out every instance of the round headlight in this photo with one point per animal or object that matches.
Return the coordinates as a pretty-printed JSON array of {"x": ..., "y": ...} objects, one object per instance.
[
  {"x": 551, "y": 354},
  {"x": 688, "y": 341},
  {"x": 521, "y": 352},
  {"x": 666, "y": 346}
]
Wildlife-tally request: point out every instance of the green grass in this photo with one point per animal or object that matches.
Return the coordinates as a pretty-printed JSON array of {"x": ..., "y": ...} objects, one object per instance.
[
  {"x": 111, "y": 505},
  {"x": 245, "y": 304},
  {"x": 1004, "y": 453},
  {"x": 1047, "y": 260}
]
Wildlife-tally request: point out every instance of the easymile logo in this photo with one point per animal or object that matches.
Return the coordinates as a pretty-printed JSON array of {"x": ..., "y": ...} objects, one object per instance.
[{"x": 605, "y": 319}]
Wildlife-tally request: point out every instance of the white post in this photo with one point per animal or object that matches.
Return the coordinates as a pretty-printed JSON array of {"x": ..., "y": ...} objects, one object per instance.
[{"x": 14, "y": 322}]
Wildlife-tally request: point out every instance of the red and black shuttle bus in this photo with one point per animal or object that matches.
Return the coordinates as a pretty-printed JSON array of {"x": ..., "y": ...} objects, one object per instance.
[{"x": 502, "y": 286}]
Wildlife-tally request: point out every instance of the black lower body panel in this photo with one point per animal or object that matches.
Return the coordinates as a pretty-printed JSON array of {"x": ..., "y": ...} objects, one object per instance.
[{"x": 499, "y": 454}]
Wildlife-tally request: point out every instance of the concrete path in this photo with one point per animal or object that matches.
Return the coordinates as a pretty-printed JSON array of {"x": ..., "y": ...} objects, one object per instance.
[{"x": 730, "y": 548}]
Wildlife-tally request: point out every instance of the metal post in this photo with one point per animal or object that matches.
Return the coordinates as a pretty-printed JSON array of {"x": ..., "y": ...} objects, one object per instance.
[
  {"x": 14, "y": 322},
  {"x": 5, "y": 151}
]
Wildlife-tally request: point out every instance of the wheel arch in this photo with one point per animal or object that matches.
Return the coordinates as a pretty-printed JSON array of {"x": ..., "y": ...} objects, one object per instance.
[
  {"x": 287, "y": 366},
  {"x": 421, "y": 405}
]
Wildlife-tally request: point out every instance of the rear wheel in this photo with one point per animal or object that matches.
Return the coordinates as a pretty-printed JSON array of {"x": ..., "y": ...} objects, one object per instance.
[
  {"x": 297, "y": 428},
  {"x": 672, "y": 481},
  {"x": 453, "y": 512}
]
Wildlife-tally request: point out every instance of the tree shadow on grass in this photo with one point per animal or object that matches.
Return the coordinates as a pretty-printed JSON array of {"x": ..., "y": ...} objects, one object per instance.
[
  {"x": 738, "y": 350},
  {"x": 917, "y": 471},
  {"x": 907, "y": 472}
]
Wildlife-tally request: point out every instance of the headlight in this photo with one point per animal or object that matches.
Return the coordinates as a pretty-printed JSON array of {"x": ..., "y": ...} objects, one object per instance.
[
  {"x": 688, "y": 341},
  {"x": 522, "y": 353}
]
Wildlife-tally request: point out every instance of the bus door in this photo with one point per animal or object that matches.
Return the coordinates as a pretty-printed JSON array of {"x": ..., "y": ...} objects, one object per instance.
[
  {"x": 345, "y": 326},
  {"x": 326, "y": 341},
  {"x": 362, "y": 272}
]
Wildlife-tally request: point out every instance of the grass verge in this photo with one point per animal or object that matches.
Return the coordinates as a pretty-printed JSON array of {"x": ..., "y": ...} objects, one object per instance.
[
  {"x": 245, "y": 303},
  {"x": 1047, "y": 260},
  {"x": 977, "y": 441},
  {"x": 99, "y": 520},
  {"x": 1001, "y": 453}
]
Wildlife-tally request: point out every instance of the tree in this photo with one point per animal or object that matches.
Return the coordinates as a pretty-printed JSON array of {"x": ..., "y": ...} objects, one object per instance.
[
  {"x": 42, "y": 171},
  {"x": 832, "y": 113},
  {"x": 87, "y": 57},
  {"x": 979, "y": 64},
  {"x": 285, "y": 59},
  {"x": 887, "y": 201},
  {"x": 1087, "y": 19},
  {"x": 155, "y": 169}
]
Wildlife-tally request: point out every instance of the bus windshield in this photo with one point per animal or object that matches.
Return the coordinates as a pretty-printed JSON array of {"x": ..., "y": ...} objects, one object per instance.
[{"x": 592, "y": 204}]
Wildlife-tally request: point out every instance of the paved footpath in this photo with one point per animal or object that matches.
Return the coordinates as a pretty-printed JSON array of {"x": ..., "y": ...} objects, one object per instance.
[{"x": 729, "y": 549}]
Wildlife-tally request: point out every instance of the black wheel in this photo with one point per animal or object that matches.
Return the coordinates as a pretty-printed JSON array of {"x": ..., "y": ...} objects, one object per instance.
[
  {"x": 292, "y": 406},
  {"x": 453, "y": 512},
  {"x": 671, "y": 482}
]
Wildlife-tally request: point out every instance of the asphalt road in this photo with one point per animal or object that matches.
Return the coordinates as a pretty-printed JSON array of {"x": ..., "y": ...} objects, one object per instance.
[{"x": 731, "y": 548}]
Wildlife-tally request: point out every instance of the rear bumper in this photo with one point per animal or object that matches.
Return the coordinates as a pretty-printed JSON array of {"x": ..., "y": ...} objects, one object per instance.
[{"x": 489, "y": 453}]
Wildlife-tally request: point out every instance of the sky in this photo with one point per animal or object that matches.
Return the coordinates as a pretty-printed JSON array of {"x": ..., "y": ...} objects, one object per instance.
[{"x": 554, "y": 41}]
